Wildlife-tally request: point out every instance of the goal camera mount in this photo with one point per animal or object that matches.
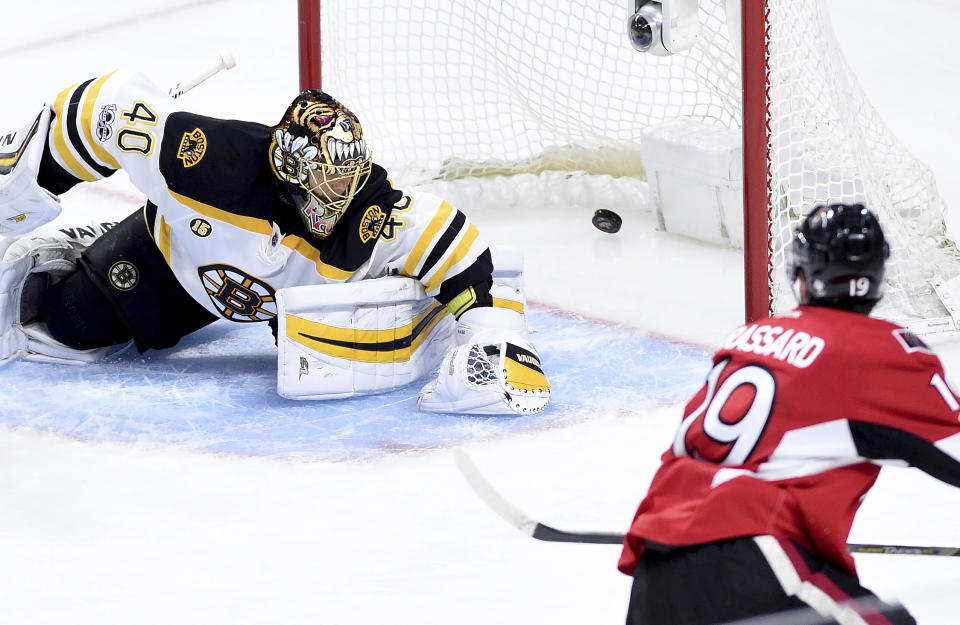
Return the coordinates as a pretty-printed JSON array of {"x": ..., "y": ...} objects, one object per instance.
[{"x": 662, "y": 27}]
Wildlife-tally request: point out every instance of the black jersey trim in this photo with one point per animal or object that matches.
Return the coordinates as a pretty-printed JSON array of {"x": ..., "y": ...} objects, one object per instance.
[
  {"x": 478, "y": 275},
  {"x": 150, "y": 217},
  {"x": 882, "y": 442},
  {"x": 443, "y": 243},
  {"x": 52, "y": 176},
  {"x": 73, "y": 131}
]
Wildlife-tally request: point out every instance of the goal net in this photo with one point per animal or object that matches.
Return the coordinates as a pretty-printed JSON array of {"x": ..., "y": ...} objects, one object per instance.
[{"x": 457, "y": 92}]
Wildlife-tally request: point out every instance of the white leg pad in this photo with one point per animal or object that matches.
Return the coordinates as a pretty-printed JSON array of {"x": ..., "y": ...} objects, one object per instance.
[
  {"x": 13, "y": 273},
  {"x": 358, "y": 338}
]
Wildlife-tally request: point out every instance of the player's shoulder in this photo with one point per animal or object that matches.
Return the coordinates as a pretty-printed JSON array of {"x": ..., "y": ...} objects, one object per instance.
[
  {"x": 189, "y": 139},
  {"x": 218, "y": 162},
  {"x": 420, "y": 202},
  {"x": 862, "y": 336},
  {"x": 809, "y": 334}
]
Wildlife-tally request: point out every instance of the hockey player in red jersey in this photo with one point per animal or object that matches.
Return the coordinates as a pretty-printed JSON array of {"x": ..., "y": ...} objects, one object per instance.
[
  {"x": 366, "y": 287},
  {"x": 750, "y": 510}
]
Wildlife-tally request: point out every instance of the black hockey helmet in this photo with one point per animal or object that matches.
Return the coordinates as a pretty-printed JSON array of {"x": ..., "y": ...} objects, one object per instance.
[
  {"x": 837, "y": 258},
  {"x": 319, "y": 152}
]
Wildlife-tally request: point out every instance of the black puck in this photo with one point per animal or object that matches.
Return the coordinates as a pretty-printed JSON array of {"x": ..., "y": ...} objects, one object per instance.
[{"x": 607, "y": 220}]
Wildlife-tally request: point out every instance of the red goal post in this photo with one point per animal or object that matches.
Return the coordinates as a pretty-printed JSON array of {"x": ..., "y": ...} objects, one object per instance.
[
  {"x": 756, "y": 198},
  {"x": 809, "y": 134},
  {"x": 309, "y": 44}
]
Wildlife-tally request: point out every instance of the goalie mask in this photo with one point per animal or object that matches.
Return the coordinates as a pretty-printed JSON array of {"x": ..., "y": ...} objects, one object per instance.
[{"x": 319, "y": 151}]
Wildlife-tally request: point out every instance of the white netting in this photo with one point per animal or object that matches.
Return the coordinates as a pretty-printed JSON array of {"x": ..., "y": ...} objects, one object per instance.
[
  {"x": 828, "y": 144},
  {"x": 480, "y": 371},
  {"x": 469, "y": 91}
]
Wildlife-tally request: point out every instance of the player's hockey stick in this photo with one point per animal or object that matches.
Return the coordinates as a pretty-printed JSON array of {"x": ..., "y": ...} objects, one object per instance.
[
  {"x": 225, "y": 61},
  {"x": 512, "y": 515}
]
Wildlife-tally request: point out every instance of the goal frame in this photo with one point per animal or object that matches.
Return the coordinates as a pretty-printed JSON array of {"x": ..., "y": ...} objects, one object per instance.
[{"x": 756, "y": 157}]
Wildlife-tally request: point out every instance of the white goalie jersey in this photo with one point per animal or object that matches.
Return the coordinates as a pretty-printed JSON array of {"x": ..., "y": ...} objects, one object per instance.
[
  {"x": 234, "y": 244},
  {"x": 214, "y": 214}
]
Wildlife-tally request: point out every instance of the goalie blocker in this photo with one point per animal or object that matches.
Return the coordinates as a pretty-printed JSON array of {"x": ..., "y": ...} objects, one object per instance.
[
  {"x": 376, "y": 335},
  {"x": 24, "y": 204}
]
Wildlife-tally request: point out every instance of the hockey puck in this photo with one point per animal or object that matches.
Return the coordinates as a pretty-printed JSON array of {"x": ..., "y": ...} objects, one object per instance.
[{"x": 607, "y": 221}]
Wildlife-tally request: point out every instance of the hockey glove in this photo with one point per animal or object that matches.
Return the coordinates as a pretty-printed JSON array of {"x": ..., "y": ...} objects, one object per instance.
[{"x": 24, "y": 204}]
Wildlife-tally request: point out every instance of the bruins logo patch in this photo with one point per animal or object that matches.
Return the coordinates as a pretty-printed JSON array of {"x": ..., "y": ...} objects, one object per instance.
[
  {"x": 123, "y": 275},
  {"x": 237, "y": 295},
  {"x": 372, "y": 223},
  {"x": 193, "y": 146}
]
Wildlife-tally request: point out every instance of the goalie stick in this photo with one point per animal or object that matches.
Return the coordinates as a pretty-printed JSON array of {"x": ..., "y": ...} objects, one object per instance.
[
  {"x": 531, "y": 527},
  {"x": 224, "y": 61}
]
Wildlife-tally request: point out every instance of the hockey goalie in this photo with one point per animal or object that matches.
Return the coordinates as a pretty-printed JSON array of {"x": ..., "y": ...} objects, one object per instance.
[{"x": 366, "y": 287}]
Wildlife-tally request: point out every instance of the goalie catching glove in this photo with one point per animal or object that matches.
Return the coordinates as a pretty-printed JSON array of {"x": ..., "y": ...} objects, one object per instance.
[{"x": 493, "y": 370}]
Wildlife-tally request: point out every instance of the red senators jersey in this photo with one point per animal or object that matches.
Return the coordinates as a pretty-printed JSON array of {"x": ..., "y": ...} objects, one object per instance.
[{"x": 785, "y": 436}]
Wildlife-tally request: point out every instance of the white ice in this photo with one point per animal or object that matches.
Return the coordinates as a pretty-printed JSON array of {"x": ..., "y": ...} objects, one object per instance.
[{"x": 95, "y": 532}]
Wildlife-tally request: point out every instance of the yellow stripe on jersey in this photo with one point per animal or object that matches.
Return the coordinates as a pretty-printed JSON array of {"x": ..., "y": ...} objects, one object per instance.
[
  {"x": 423, "y": 243},
  {"x": 163, "y": 239},
  {"x": 309, "y": 252},
  {"x": 86, "y": 121},
  {"x": 253, "y": 224},
  {"x": 60, "y": 141},
  {"x": 262, "y": 226},
  {"x": 458, "y": 254},
  {"x": 507, "y": 303},
  {"x": 389, "y": 345}
]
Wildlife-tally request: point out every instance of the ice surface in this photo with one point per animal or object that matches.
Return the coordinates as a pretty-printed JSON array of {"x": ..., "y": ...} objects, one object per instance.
[
  {"x": 217, "y": 392},
  {"x": 145, "y": 492}
]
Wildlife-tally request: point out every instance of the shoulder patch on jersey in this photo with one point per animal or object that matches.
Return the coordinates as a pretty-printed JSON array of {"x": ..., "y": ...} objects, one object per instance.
[
  {"x": 911, "y": 342},
  {"x": 371, "y": 223},
  {"x": 237, "y": 295},
  {"x": 108, "y": 114},
  {"x": 193, "y": 145}
]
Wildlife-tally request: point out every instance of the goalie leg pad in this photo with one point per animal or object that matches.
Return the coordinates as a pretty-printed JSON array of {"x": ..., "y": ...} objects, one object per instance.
[
  {"x": 13, "y": 274},
  {"x": 358, "y": 338}
]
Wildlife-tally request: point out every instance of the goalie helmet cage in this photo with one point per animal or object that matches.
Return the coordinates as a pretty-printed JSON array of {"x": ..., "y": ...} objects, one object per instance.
[{"x": 462, "y": 91}]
